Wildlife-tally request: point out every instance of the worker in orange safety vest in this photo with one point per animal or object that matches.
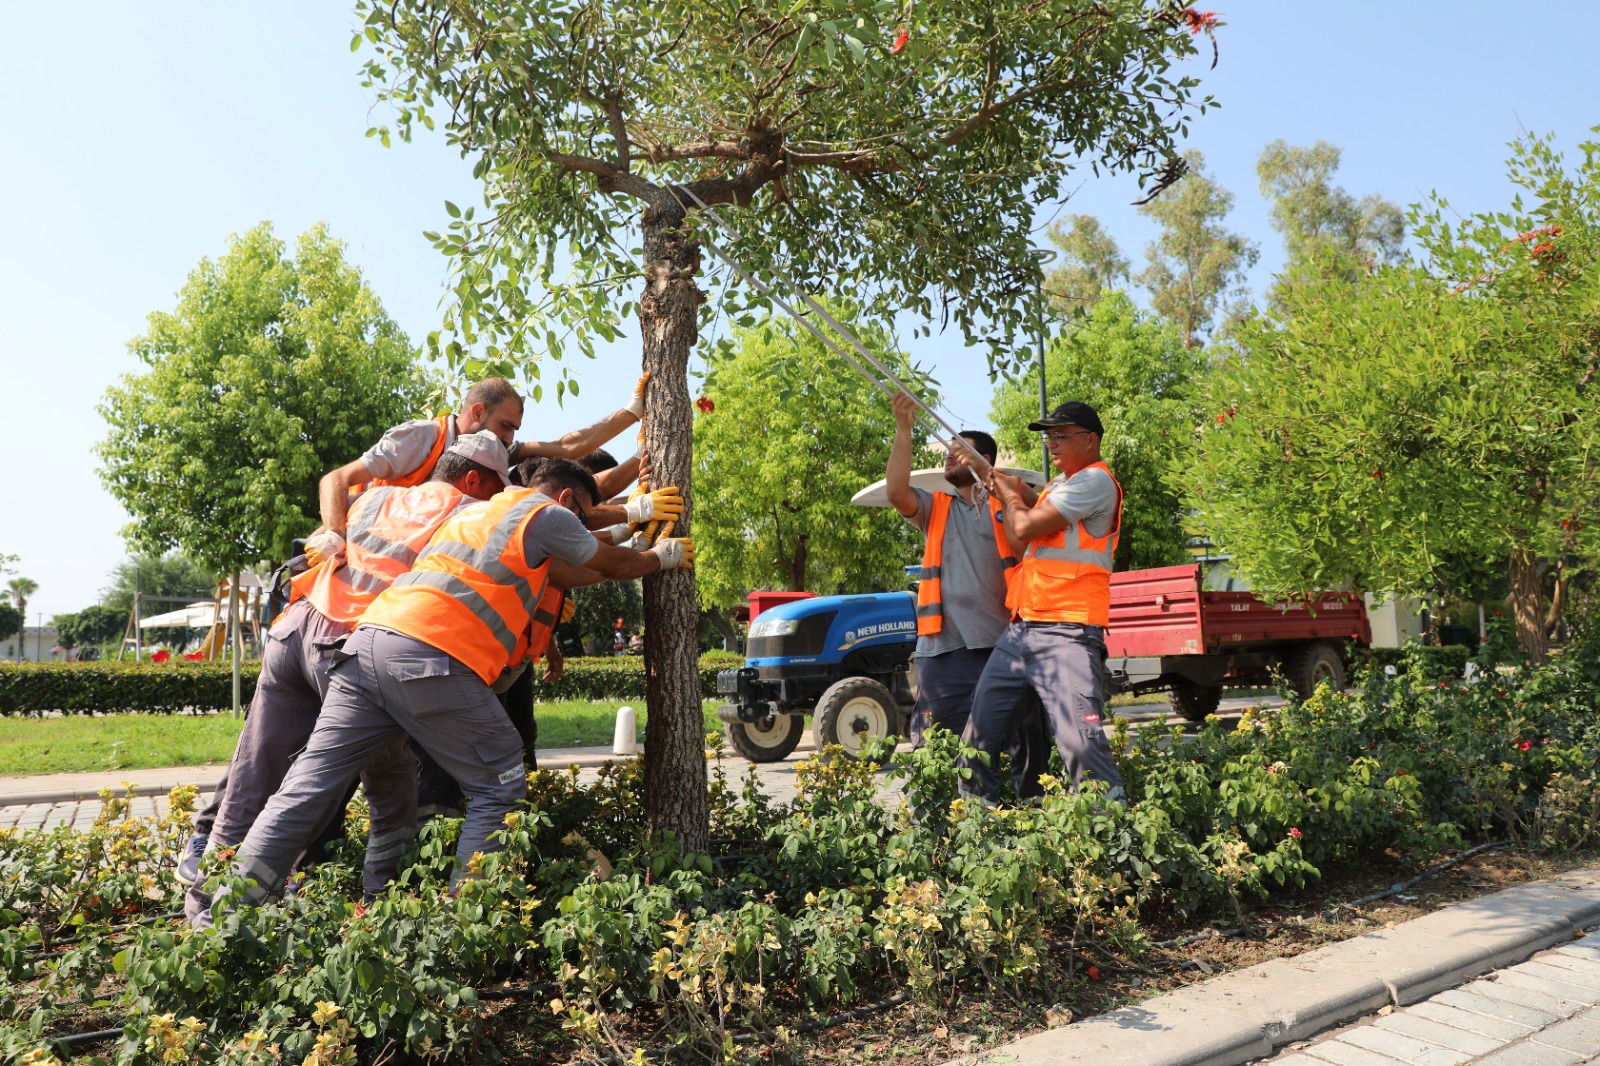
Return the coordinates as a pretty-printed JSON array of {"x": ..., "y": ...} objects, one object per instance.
[
  {"x": 1054, "y": 648},
  {"x": 961, "y": 593}
]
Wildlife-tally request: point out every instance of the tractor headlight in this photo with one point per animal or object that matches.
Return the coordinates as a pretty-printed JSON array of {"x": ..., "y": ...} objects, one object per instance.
[{"x": 774, "y": 627}]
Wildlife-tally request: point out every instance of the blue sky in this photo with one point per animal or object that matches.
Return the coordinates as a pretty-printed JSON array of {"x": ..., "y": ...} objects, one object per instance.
[{"x": 137, "y": 137}]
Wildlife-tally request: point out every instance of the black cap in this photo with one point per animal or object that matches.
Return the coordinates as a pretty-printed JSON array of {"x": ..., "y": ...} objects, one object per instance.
[{"x": 1071, "y": 413}]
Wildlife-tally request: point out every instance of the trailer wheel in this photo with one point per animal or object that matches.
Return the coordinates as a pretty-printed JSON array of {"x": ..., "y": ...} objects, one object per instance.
[
  {"x": 852, "y": 712},
  {"x": 1310, "y": 667},
  {"x": 769, "y": 740},
  {"x": 1194, "y": 703}
]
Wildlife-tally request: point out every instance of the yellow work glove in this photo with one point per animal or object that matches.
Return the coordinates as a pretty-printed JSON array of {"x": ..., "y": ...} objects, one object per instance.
[
  {"x": 674, "y": 553},
  {"x": 636, "y": 405},
  {"x": 568, "y": 608},
  {"x": 660, "y": 503},
  {"x": 325, "y": 544}
]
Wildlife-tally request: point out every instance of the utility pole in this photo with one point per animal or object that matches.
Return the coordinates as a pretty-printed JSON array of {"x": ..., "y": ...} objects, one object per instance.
[{"x": 38, "y": 641}]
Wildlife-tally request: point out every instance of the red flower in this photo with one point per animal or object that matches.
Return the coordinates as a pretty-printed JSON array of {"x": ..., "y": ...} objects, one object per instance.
[
  {"x": 1199, "y": 20},
  {"x": 1094, "y": 973},
  {"x": 1222, "y": 418},
  {"x": 704, "y": 405},
  {"x": 1295, "y": 832},
  {"x": 1402, "y": 773},
  {"x": 1498, "y": 614},
  {"x": 1524, "y": 745},
  {"x": 161, "y": 656},
  {"x": 360, "y": 910},
  {"x": 899, "y": 43},
  {"x": 1444, "y": 684}
]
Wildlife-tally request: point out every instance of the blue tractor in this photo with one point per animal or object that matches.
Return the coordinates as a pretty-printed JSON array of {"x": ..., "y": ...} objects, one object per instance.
[{"x": 844, "y": 660}]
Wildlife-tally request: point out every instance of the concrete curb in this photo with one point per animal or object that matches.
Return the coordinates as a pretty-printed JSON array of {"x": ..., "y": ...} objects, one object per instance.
[{"x": 1245, "y": 1015}]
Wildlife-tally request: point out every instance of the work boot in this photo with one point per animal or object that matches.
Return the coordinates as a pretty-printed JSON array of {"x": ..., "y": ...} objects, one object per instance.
[{"x": 188, "y": 871}]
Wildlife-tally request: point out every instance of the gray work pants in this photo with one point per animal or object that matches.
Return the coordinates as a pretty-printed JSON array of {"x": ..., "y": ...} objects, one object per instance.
[
  {"x": 945, "y": 687},
  {"x": 383, "y": 686},
  {"x": 1063, "y": 665},
  {"x": 289, "y": 695}
]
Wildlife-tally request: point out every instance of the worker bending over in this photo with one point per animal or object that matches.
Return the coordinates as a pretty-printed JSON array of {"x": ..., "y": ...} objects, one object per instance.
[
  {"x": 426, "y": 655},
  {"x": 1054, "y": 648},
  {"x": 389, "y": 526}
]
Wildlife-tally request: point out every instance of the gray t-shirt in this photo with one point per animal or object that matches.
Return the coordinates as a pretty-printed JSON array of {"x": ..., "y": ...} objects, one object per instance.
[
  {"x": 972, "y": 581},
  {"x": 1089, "y": 497},
  {"x": 407, "y": 446},
  {"x": 555, "y": 532}
]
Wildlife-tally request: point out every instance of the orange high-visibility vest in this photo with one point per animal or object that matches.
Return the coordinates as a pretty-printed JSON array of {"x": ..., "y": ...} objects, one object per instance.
[
  {"x": 471, "y": 593},
  {"x": 930, "y": 599},
  {"x": 388, "y": 528},
  {"x": 425, "y": 471},
  {"x": 545, "y": 617},
  {"x": 1058, "y": 583}
]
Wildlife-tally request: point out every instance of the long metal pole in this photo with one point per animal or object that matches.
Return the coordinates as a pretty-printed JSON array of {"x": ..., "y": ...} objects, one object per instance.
[
  {"x": 233, "y": 625},
  {"x": 1044, "y": 403}
]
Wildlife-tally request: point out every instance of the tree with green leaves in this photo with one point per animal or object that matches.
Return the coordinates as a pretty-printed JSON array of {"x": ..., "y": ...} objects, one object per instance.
[
  {"x": 897, "y": 154},
  {"x": 92, "y": 626},
  {"x": 1133, "y": 368},
  {"x": 1089, "y": 262},
  {"x": 21, "y": 590},
  {"x": 1389, "y": 431},
  {"x": 1196, "y": 261},
  {"x": 165, "y": 582},
  {"x": 273, "y": 369},
  {"x": 775, "y": 508},
  {"x": 11, "y": 621},
  {"x": 1325, "y": 228}
]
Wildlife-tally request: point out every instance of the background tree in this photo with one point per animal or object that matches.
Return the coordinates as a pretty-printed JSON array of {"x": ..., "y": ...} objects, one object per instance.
[
  {"x": 271, "y": 370},
  {"x": 21, "y": 589},
  {"x": 597, "y": 609},
  {"x": 1325, "y": 228},
  {"x": 165, "y": 579},
  {"x": 93, "y": 626},
  {"x": 786, "y": 435},
  {"x": 901, "y": 152},
  {"x": 1389, "y": 432},
  {"x": 1195, "y": 262},
  {"x": 1089, "y": 262},
  {"x": 11, "y": 621},
  {"x": 1135, "y": 371}
]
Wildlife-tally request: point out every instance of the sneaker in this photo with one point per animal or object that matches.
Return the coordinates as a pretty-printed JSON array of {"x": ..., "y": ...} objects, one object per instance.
[{"x": 188, "y": 871}]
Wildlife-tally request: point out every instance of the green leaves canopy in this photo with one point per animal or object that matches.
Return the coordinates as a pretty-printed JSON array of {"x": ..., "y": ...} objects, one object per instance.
[
  {"x": 1136, "y": 373},
  {"x": 270, "y": 371},
  {"x": 1378, "y": 429},
  {"x": 795, "y": 433},
  {"x": 898, "y": 152}
]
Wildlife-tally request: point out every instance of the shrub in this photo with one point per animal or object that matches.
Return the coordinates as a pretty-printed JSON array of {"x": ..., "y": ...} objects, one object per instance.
[{"x": 1436, "y": 661}]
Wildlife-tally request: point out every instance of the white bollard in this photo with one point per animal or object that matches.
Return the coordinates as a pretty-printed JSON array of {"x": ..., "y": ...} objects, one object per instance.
[{"x": 625, "y": 740}]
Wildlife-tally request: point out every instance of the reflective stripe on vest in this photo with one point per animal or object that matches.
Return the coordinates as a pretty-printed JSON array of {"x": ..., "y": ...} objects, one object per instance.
[
  {"x": 471, "y": 593},
  {"x": 930, "y": 592},
  {"x": 545, "y": 617},
  {"x": 1061, "y": 583},
  {"x": 388, "y": 528}
]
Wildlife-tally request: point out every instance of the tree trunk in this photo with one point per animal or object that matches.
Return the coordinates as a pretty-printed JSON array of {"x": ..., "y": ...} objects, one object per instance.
[
  {"x": 1527, "y": 599},
  {"x": 730, "y": 636},
  {"x": 674, "y": 764},
  {"x": 797, "y": 565},
  {"x": 1558, "y": 601}
]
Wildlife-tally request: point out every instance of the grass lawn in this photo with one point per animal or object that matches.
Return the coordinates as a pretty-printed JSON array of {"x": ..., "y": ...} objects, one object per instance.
[{"x": 140, "y": 741}]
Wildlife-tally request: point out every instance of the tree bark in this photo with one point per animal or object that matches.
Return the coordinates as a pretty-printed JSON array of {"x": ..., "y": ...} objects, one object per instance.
[
  {"x": 674, "y": 763},
  {"x": 730, "y": 636},
  {"x": 1527, "y": 599},
  {"x": 797, "y": 565}
]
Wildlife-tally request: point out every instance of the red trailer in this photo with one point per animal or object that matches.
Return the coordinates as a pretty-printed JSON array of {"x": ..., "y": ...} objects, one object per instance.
[{"x": 1168, "y": 632}]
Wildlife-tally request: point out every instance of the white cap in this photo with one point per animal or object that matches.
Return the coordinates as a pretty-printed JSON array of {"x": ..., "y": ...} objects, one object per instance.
[{"x": 485, "y": 449}]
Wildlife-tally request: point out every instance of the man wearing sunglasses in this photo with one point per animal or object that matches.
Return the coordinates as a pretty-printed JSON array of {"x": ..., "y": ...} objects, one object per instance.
[{"x": 1054, "y": 648}]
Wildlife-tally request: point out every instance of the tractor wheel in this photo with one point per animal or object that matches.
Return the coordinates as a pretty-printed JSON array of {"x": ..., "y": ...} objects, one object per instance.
[
  {"x": 1193, "y": 703},
  {"x": 853, "y": 712},
  {"x": 1311, "y": 666},
  {"x": 769, "y": 740}
]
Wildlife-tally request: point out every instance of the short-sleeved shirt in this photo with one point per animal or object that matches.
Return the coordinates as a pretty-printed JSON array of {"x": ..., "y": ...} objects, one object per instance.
[
  {"x": 972, "y": 580},
  {"x": 1088, "y": 497},
  {"x": 555, "y": 532},
  {"x": 406, "y": 447}
]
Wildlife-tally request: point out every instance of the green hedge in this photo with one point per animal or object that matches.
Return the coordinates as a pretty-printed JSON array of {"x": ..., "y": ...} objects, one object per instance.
[
  {"x": 1434, "y": 661},
  {"x": 202, "y": 688}
]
